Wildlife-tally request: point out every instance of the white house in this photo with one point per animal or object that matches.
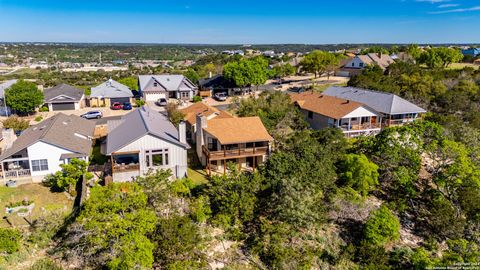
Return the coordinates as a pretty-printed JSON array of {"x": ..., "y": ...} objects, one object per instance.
[
  {"x": 153, "y": 87},
  {"x": 40, "y": 149},
  {"x": 145, "y": 140}
]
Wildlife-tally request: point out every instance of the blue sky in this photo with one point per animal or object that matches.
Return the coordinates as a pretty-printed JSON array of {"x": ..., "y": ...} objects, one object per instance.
[{"x": 241, "y": 22}]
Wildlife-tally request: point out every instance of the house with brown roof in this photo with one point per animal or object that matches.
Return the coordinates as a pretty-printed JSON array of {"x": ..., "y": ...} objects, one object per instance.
[
  {"x": 42, "y": 148},
  {"x": 193, "y": 110},
  {"x": 323, "y": 111},
  {"x": 222, "y": 139},
  {"x": 360, "y": 62}
]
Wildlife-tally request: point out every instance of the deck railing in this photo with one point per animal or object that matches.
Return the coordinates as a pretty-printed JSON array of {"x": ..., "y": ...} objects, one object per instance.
[
  {"x": 118, "y": 168},
  {"x": 235, "y": 153},
  {"x": 16, "y": 173}
]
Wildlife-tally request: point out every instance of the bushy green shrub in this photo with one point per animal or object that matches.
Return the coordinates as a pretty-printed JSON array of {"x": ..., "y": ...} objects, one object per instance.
[
  {"x": 38, "y": 118},
  {"x": 43, "y": 109},
  {"x": 139, "y": 102},
  {"x": 16, "y": 123},
  {"x": 382, "y": 227},
  {"x": 9, "y": 240},
  {"x": 196, "y": 99}
]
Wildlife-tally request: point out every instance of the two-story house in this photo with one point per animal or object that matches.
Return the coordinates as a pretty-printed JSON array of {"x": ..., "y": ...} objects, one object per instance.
[
  {"x": 393, "y": 109},
  {"x": 154, "y": 87},
  {"x": 322, "y": 111},
  {"x": 145, "y": 140},
  {"x": 41, "y": 148},
  {"x": 243, "y": 141},
  {"x": 193, "y": 110}
]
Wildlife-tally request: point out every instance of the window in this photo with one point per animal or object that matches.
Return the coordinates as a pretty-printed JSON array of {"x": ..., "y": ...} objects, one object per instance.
[
  {"x": 156, "y": 158},
  {"x": 310, "y": 114},
  {"x": 212, "y": 144},
  {"x": 360, "y": 65},
  {"x": 185, "y": 94},
  {"x": 353, "y": 64},
  {"x": 155, "y": 84},
  {"x": 40, "y": 165}
]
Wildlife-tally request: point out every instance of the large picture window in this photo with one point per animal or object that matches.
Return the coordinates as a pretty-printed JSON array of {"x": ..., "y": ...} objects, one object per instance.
[
  {"x": 156, "y": 158},
  {"x": 40, "y": 165}
]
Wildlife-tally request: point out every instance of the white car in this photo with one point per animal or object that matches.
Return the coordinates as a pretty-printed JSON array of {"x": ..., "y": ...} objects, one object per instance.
[
  {"x": 92, "y": 115},
  {"x": 220, "y": 96}
]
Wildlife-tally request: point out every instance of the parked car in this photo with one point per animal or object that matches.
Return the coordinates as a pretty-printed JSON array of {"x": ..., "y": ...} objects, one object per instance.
[
  {"x": 116, "y": 106},
  {"x": 127, "y": 106},
  {"x": 92, "y": 115},
  {"x": 220, "y": 96},
  {"x": 161, "y": 102}
]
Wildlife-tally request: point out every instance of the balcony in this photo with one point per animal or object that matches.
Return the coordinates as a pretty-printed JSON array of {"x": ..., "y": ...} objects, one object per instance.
[
  {"x": 22, "y": 173},
  {"x": 235, "y": 153}
]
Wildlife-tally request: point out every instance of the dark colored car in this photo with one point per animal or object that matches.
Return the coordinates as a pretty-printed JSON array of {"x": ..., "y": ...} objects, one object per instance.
[
  {"x": 116, "y": 106},
  {"x": 127, "y": 106},
  {"x": 92, "y": 115},
  {"x": 161, "y": 102}
]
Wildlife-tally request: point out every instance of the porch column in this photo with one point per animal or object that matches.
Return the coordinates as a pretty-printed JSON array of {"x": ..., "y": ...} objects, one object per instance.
[
  {"x": 111, "y": 162},
  {"x": 239, "y": 165},
  {"x": 349, "y": 123},
  {"x": 254, "y": 161},
  {"x": 3, "y": 174},
  {"x": 224, "y": 166},
  {"x": 370, "y": 121}
]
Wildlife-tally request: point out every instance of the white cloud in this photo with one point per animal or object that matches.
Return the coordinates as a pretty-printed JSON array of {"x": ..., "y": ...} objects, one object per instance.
[
  {"x": 458, "y": 10},
  {"x": 433, "y": 1},
  {"x": 448, "y": 5}
]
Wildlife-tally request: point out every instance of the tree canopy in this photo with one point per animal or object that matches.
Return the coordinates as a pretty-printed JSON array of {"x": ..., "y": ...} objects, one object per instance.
[{"x": 23, "y": 97}]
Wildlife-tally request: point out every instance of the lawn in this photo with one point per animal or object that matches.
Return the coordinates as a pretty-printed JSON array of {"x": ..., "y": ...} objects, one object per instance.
[
  {"x": 45, "y": 202},
  {"x": 198, "y": 176}
]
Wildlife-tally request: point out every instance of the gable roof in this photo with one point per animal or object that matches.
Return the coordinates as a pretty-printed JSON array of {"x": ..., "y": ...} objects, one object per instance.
[
  {"x": 238, "y": 130},
  {"x": 69, "y": 132},
  {"x": 382, "y": 60},
  {"x": 319, "y": 103},
  {"x": 168, "y": 82},
  {"x": 193, "y": 110},
  {"x": 138, "y": 123},
  {"x": 111, "y": 89},
  {"x": 5, "y": 85},
  {"x": 382, "y": 102},
  {"x": 73, "y": 93}
]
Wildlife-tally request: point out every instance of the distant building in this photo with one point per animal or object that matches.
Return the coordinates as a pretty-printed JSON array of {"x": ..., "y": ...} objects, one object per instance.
[
  {"x": 360, "y": 62},
  {"x": 474, "y": 52},
  {"x": 153, "y": 87}
]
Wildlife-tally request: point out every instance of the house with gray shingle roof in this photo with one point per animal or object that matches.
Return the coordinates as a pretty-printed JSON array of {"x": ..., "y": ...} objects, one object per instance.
[
  {"x": 153, "y": 87},
  {"x": 64, "y": 97},
  {"x": 41, "y": 148},
  {"x": 358, "y": 63},
  {"x": 394, "y": 109},
  {"x": 109, "y": 92},
  {"x": 145, "y": 140}
]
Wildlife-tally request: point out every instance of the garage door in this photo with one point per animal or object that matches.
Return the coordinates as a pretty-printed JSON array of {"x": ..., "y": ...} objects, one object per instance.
[
  {"x": 154, "y": 96},
  {"x": 63, "y": 106},
  {"x": 121, "y": 100}
]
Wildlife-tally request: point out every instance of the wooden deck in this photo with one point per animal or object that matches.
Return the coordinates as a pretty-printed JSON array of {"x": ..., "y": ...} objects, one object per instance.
[{"x": 235, "y": 153}]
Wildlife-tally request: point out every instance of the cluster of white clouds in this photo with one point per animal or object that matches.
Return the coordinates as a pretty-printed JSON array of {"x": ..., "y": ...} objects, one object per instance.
[{"x": 447, "y": 7}]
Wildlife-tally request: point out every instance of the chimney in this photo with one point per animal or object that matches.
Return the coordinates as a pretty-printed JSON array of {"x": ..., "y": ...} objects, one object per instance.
[
  {"x": 182, "y": 132},
  {"x": 8, "y": 137},
  {"x": 199, "y": 138},
  {"x": 380, "y": 55}
]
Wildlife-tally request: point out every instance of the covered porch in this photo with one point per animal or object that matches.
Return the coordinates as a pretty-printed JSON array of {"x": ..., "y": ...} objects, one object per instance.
[
  {"x": 125, "y": 162},
  {"x": 246, "y": 156},
  {"x": 15, "y": 168},
  {"x": 401, "y": 119}
]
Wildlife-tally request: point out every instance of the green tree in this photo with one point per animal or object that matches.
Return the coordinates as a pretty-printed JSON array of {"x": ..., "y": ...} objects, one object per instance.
[
  {"x": 281, "y": 71},
  {"x": 440, "y": 57},
  {"x": 23, "y": 97},
  {"x": 382, "y": 227},
  {"x": 115, "y": 222},
  {"x": 192, "y": 75},
  {"x": 178, "y": 244},
  {"x": 359, "y": 173},
  {"x": 247, "y": 72},
  {"x": 131, "y": 82},
  {"x": 70, "y": 174},
  {"x": 174, "y": 114},
  {"x": 319, "y": 62}
]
